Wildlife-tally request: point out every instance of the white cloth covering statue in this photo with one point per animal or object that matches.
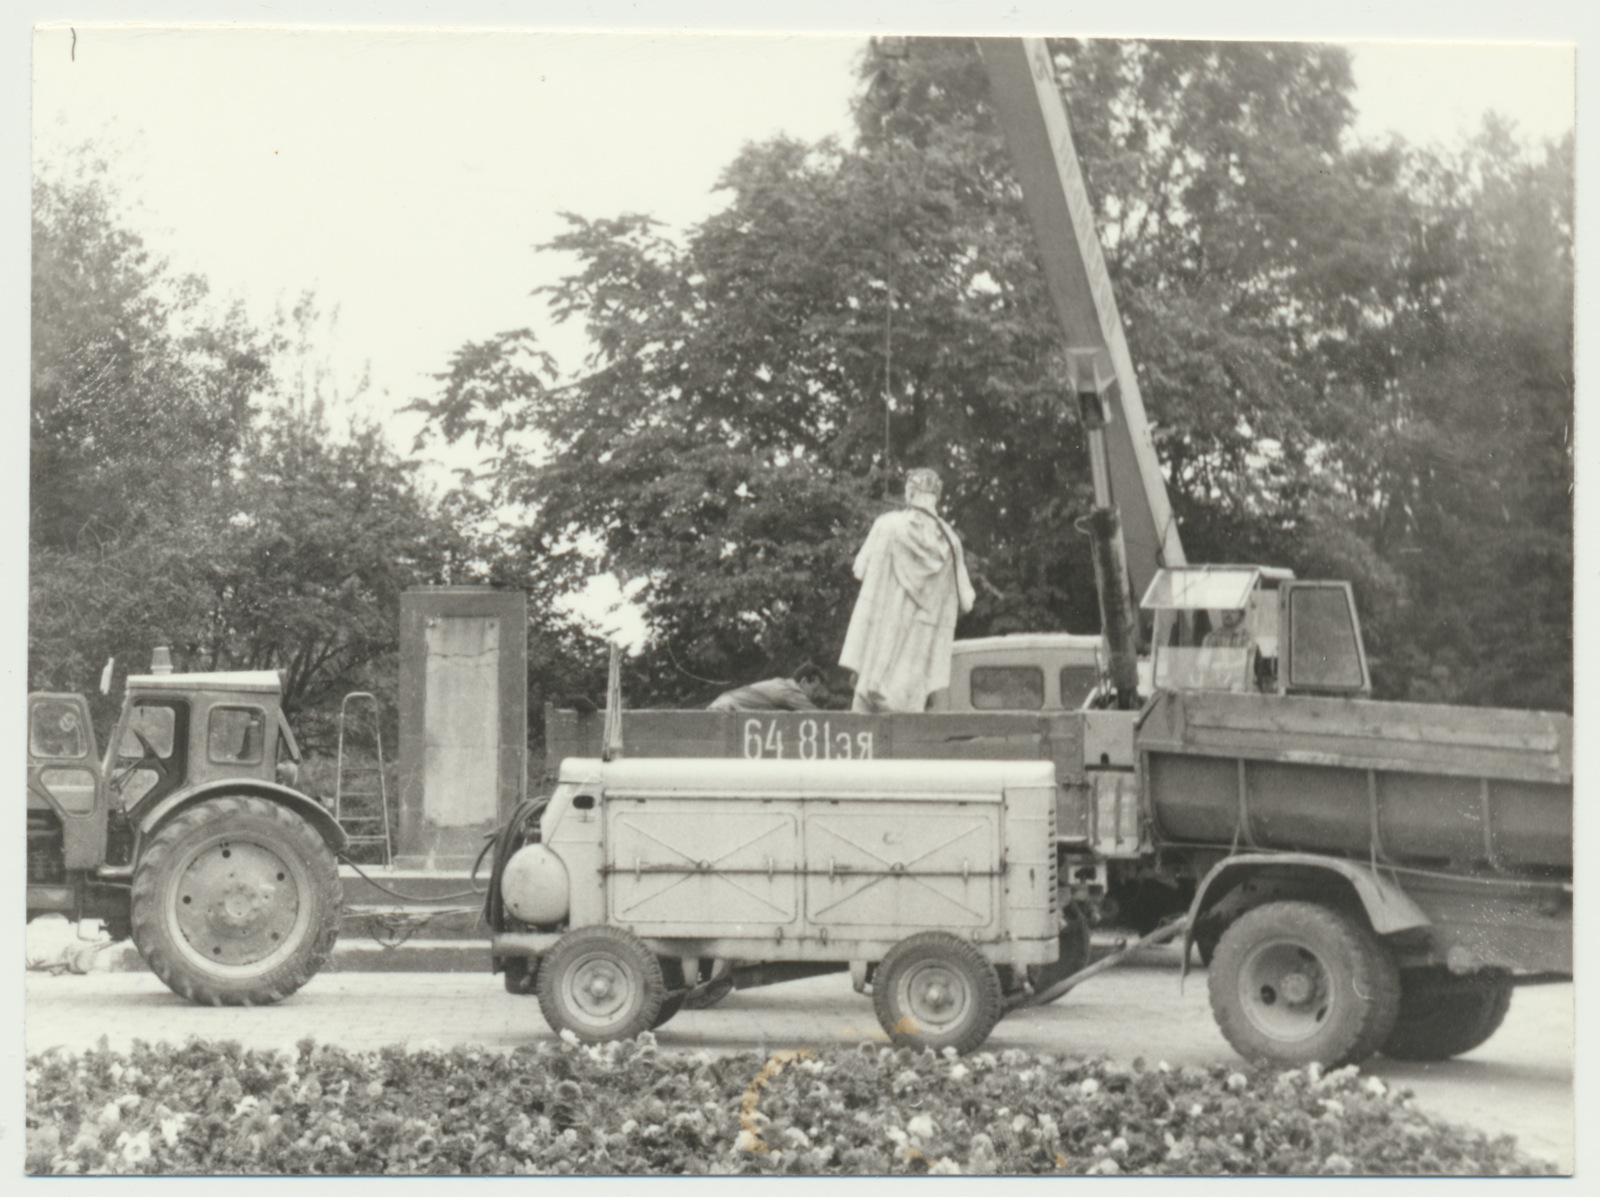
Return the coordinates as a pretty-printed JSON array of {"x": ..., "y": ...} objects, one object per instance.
[{"x": 913, "y": 585}]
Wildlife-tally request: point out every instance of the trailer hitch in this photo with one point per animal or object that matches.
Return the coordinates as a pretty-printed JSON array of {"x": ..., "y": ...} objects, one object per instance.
[{"x": 1159, "y": 936}]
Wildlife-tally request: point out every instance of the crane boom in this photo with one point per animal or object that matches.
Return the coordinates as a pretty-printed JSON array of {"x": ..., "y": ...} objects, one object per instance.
[{"x": 1022, "y": 83}]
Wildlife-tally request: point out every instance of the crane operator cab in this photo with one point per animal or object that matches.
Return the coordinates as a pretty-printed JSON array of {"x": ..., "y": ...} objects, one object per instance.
[{"x": 1254, "y": 629}]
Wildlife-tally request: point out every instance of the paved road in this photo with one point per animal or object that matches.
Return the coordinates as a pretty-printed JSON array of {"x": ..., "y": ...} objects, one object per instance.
[{"x": 1520, "y": 1082}]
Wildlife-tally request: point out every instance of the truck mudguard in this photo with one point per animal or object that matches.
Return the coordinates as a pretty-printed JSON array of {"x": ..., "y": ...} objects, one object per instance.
[
  {"x": 1388, "y": 907},
  {"x": 308, "y": 808}
]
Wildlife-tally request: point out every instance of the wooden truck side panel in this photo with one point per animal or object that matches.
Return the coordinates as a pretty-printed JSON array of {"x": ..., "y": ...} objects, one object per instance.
[
  {"x": 1401, "y": 783},
  {"x": 1058, "y": 737}
]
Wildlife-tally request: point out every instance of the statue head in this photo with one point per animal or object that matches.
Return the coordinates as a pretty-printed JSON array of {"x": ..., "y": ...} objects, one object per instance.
[{"x": 923, "y": 489}]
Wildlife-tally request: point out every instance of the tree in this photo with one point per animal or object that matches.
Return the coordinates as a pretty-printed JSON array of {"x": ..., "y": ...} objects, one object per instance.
[
  {"x": 190, "y": 489},
  {"x": 140, "y": 394}
]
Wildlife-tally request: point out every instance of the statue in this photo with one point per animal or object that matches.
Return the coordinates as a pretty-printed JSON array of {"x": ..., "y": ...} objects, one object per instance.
[{"x": 913, "y": 584}]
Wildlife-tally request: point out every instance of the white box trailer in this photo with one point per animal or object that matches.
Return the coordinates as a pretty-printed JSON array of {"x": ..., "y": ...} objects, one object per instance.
[{"x": 651, "y": 880}]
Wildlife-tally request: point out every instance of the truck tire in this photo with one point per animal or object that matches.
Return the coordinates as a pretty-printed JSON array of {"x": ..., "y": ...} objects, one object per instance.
[
  {"x": 1074, "y": 952},
  {"x": 1443, "y": 1015},
  {"x": 236, "y": 902},
  {"x": 601, "y": 983},
  {"x": 936, "y": 991},
  {"x": 1296, "y": 982}
]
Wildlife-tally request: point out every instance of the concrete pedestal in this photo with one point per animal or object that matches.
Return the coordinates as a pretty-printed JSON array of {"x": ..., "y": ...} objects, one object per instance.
[{"x": 463, "y": 720}]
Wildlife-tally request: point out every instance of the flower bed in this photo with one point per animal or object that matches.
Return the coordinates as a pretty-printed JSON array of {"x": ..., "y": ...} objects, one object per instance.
[{"x": 628, "y": 1108}]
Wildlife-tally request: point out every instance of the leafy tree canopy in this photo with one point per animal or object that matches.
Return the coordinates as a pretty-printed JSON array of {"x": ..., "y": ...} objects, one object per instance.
[{"x": 189, "y": 488}]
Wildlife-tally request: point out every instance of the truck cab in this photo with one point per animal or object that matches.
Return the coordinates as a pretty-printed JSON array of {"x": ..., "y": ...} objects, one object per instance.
[{"x": 1030, "y": 671}]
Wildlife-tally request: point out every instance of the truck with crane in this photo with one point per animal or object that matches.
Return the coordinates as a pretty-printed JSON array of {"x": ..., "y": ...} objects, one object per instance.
[{"x": 1360, "y": 876}]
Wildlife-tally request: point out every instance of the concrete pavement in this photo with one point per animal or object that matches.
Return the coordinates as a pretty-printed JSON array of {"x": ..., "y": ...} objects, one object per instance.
[{"x": 1519, "y": 1083}]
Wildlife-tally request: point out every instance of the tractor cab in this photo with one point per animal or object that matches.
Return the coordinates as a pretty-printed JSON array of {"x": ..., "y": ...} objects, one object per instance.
[
  {"x": 180, "y": 730},
  {"x": 1254, "y": 629}
]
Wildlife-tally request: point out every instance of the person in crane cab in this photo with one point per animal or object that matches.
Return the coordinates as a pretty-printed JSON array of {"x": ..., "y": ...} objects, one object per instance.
[
  {"x": 808, "y": 690},
  {"x": 914, "y": 584},
  {"x": 1231, "y": 634}
]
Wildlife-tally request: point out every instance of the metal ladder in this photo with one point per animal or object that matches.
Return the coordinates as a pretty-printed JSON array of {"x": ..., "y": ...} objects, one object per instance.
[{"x": 372, "y": 827}]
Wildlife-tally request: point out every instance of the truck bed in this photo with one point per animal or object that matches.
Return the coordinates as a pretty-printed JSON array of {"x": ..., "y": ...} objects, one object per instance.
[{"x": 1454, "y": 787}]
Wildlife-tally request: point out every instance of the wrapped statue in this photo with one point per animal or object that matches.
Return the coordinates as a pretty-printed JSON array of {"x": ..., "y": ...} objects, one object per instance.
[{"x": 913, "y": 586}]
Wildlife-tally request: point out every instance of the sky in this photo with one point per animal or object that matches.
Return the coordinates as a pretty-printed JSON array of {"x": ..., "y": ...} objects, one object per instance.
[{"x": 406, "y": 176}]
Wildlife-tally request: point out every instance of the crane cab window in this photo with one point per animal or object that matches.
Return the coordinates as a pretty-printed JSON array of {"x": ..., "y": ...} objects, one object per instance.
[
  {"x": 1325, "y": 648},
  {"x": 1007, "y": 688},
  {"x": 236, "y": 735}
]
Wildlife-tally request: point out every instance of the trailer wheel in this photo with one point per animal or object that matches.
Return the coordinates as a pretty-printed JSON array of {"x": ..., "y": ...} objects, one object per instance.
[
  {"x": 600, "y": 983},
  {"x": 1295, "y": 982},
  {"x": 1074, "y": 952},
  {"x": 236, "y": 902},
  {"x": 1443, "y": 1015},
  {"x": 936, "y": 991}
]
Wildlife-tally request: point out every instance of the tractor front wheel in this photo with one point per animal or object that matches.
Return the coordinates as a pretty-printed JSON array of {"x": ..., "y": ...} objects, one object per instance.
[{"x": 236, "y": 902}]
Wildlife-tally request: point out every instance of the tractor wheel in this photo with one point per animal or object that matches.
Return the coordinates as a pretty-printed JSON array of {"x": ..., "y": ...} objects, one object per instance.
[
  {"x": 601, "y": 983},
  {"x": 1442, "y": 1015},
  {"x": 1074, "y": 941},
  {"x": 936, "y": 991},
  {"x": 236, "y": 902},
  {"x": 1295, "y": 982}
]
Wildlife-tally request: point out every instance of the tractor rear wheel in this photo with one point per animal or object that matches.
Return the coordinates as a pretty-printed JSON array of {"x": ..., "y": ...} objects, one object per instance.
[
  {"x": 1296, "y": 982},
  {"x": 236, "y": 902}
]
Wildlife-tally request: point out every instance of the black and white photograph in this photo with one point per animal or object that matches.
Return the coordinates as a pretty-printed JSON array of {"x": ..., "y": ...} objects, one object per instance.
[{"x": 863, "y": 593}]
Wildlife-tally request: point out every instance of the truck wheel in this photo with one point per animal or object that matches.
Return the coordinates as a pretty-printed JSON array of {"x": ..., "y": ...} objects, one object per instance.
[
  {"x": 936, "y": 991},
  {"x": 1074, "y": 947},
  {"x": 1295, "y": 982},
  {"x": 600, "y": 983},
  {"x": 1443, "y": 1015},
  {"x": 236, "y": 902}
]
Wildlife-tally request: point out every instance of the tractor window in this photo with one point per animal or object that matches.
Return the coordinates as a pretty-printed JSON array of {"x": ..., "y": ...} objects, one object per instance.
[
  {"x": 236, "y": 735},
  {"x": 149, "y": 776},
  {"x": 1007, "y": 688},
  {"x": 156, "y": 724},
  {"x": 57, "y": 731}
]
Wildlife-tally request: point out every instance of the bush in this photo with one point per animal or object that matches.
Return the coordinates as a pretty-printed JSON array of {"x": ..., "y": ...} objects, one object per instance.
[{"x": 559, "y": 1108}]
